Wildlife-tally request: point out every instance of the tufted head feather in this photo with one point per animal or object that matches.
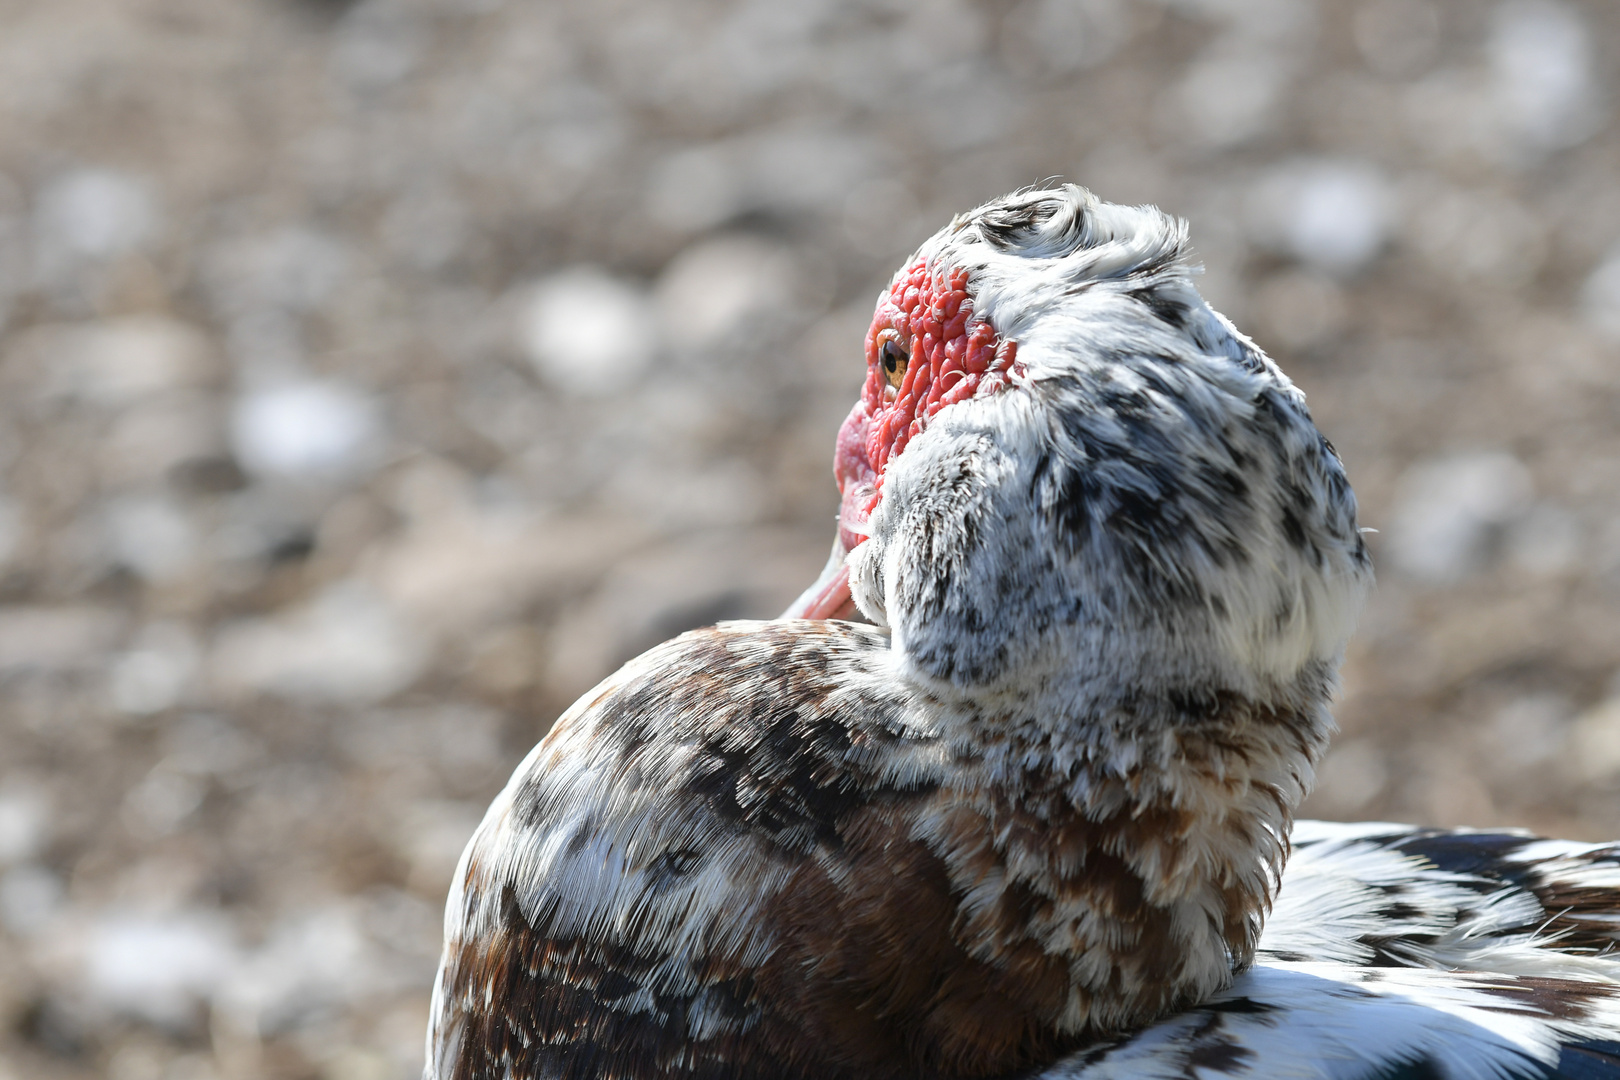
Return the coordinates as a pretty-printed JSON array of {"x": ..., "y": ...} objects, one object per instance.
[{"x": 1066, "y": 467}]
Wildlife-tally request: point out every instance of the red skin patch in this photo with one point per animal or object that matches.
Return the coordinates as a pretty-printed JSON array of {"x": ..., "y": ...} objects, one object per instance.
[{"x": 952, "y": 358}]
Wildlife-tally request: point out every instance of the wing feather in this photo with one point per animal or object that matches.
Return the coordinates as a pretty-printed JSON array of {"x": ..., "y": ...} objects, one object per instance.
[
  {"x": 1342, "y": 1022},
  {"x": 621, "y": 902},
  {"x": 1391, "y": 895}
]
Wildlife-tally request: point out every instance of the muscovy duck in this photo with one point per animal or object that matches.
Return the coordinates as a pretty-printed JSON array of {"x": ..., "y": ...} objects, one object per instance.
[{"x": 1033, "y": 816}]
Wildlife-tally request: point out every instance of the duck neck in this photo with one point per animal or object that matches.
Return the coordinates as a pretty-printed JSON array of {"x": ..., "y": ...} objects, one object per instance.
[{"x": 1152, "y": 831}]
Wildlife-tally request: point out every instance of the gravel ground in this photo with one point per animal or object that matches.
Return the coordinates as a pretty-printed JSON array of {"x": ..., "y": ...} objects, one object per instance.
[{"x": 376, "y": 376}]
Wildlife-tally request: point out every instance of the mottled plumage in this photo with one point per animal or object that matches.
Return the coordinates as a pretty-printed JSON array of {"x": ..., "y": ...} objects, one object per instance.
[
  {"x": 1412, "y": 953},
  {"x": 1044, "y": 801}
]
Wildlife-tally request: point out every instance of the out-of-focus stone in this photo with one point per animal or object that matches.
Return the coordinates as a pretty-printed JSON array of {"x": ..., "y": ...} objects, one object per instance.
[
  {"x": 507, "y": 659},
  {"x": 1229, "y": 95},
  {"x": 792, "y": 169},
  {"x": 1448, "y": 511},
  {"x": 1594, "y": 741},
  {"x": 427, "y": 226},
  {"x": 1546, "y": 541},
  {"x": 715, "y": 289},
  {"x": 1333, "y": 214},
  {"x": 677, "y": 496},
  {"x": 1073, "y": 35},
  {"x": 359, "y": 1063},
  {"x": 176, "y": 436},
  {"x": 1450, "y": 794},
  {"x": 160, "y": 804},
  {"x": 882, "y": 218},
  {"x": 93, "y": 212},
  {"x": 1600, "y": 297},
  {"x": 586, "y": 331},
  {"x": 377, "y": 45},
  {"x": 460, "y": 741},
  {"x": 691, "y": 582},
  {"x": 833, "y": 356},
  {"x": 24, "y": 819},
  {"x": 55, "y": 638},
  {"x": 110, "y": 363},
  {"x": 292, "y": 269},
  {"x": 13, "y": 528},
  {"x": 1473, "y": 235},
  {"x": 431, "y": 835},
  {"x": 1301, "y": 309},
  {"x": 459, "y": 565},
  {"x": 304, "y": 427},
  {"x": 696, "y": 188},
  {"x": 347, "y": 646},
  {"x": 1354, "y": 773},
  {"x": 153, "y": 536},
  {"x": 208, "y": 745},
  {"x": 313, "y": 963},
  {"x": 158, "y": 968},
  {"x": 30, "y": 896},
  {"x": 1529, "y": 730},
  {"x": 157, "y": 673},
  {"x": 1540, "y": 54},
  {"x": 799, "y": 168},
  {"x": 1532, "y": 91},
  {"x": 1397, "y": 38}
]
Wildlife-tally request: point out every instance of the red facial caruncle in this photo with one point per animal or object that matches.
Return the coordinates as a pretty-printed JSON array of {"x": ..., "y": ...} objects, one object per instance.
[{"x": 924, "y": 351}]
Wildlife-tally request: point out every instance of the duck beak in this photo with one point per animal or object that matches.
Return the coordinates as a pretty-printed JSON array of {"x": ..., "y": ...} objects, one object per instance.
[{"x": 829, "y": 597}]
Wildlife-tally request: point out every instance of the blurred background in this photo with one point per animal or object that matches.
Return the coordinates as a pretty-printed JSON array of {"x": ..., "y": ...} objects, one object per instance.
[{"x": 375, "y": 376}]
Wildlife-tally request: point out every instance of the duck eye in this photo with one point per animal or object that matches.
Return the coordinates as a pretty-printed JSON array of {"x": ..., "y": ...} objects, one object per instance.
[{"x": 894, "y": 360}]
